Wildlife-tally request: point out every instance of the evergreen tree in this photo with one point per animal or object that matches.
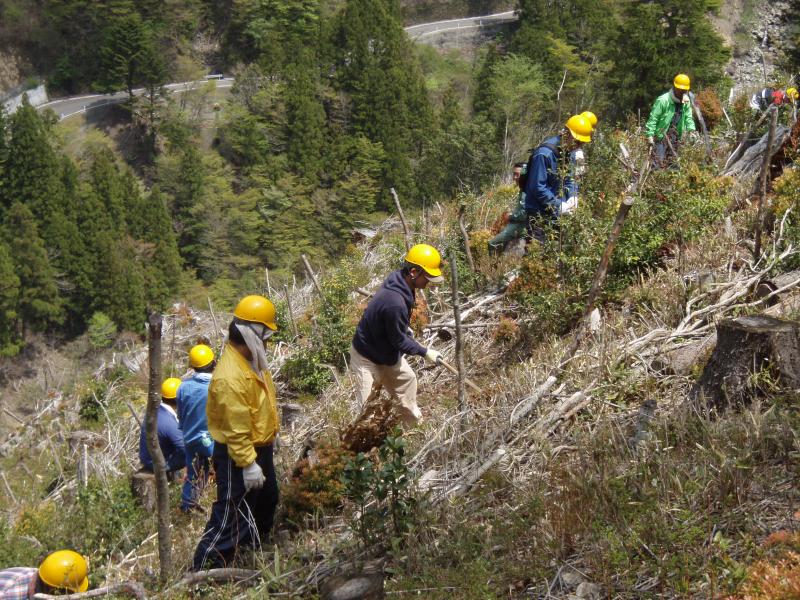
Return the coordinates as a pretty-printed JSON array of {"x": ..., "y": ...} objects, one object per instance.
[
  {"x": 389, "y": 102},
  {"x": 39, "y": 305},
  {"x": 9, "y": 299},
  {"x": 162, "y": 262},
  {"x": 107, "y": 184},
  {"x": 187, "y": 187},
  {"x": 305, "y": 119},
  {"x": 289, "y": 222},
  {"x": 658, "y": 40},
  {"x": 121, "y": 54}
]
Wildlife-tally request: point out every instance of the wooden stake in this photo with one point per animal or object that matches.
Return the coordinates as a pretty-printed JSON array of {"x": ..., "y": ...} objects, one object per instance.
[
  {"x": 764, "y": 179},
  {"x": 269, "y": 287},
  {"x": 289, "y": 309},
  {"x": 151, "y": 436},
  {"x": 402, "y": 218},
  {"x": 313, "y": 277},
  {"x": 462, "y": 392},
  {"x": 465, "y": 236}
]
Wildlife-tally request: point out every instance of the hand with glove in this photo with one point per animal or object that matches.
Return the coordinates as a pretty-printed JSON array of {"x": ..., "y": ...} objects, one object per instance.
[
  {"x": 569, "y": 206},
  {"x": 651, "y": 140},
  {"x": 253, "y": 477},
  {"x": 432, "y": 356}
]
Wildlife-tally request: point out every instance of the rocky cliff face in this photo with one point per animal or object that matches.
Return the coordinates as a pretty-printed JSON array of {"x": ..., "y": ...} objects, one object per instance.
[{"x": 757, "y": 32}]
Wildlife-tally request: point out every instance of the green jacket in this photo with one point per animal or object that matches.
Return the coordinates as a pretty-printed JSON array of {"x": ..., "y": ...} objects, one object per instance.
[{"x": 661, "y": 117}]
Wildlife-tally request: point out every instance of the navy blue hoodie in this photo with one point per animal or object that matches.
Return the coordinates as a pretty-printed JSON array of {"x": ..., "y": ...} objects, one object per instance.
[{"x": 381, "y": 334}]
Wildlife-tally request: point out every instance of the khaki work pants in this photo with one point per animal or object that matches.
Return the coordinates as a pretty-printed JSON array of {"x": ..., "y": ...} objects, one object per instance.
[{"x": 398, "y": 380}]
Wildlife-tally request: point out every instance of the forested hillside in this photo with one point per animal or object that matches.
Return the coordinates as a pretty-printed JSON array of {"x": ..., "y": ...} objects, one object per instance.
[{"x": 332, "y": 107}]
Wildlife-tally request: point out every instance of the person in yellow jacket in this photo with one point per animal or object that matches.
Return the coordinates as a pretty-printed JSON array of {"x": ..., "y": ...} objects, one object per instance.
[{"x": 243, "y": 421}]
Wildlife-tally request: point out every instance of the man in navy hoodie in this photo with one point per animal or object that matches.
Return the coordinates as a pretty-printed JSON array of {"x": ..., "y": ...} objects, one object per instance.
[{"x": 382, "y": 337}]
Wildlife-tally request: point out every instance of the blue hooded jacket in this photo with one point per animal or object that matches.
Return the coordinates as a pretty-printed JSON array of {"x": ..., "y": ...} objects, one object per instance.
[
  {"x": 192, "y": 398},
  {"x": 544, "y": 189},
  {"x": 381, "y": 335},
  {"x": 169, "y": 438}
]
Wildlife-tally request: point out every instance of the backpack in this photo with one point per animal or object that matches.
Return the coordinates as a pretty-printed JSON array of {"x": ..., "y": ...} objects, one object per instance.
[{"x": 523, "y": 177}]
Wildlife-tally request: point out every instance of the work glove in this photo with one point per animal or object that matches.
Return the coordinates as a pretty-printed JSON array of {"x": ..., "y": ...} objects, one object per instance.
[
  {"x": 693, "y": 136},
  {"x": 253, "y": 477},
  {"x": 569, "y": 206},
  {"x": 432, "y": 356},
  {"x": 651, "y": 140}
]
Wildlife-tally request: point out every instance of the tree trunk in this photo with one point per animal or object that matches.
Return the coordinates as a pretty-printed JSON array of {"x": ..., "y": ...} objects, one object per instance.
[
  {"x": 151, "y": 437},
  {"x": 143, "y": 488},
  {"x": 746, "y": 347}
]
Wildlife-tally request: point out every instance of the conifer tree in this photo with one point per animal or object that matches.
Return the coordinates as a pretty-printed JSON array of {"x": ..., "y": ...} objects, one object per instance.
[
  {"x": 289, "y": 222},
  {"x": 123, "y": 53},
  {"x": 162, "y": 262},
  {"x": 107, "y": 183},
  {"x": 39, "y": 305},
  {"x": 305, "y": 119},
  {"x": 187, "y": 189},
  {"x": 389, "y": 103},
  {"x": 9, "y": 299},
  {"x": 658, "y": 40}
]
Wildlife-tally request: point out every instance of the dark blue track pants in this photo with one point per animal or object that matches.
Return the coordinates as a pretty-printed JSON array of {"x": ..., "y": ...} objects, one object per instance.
[{"x": 238, "y": 519}]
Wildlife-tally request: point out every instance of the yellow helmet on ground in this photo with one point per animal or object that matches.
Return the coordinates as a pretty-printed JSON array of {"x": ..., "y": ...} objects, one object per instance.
[
  {"x": 580, "y": 128},
  {"x": 428, "y": 259},
  {"x": 169, "y": 388},
  {"x": 591, "y": 116},
  {"x": 65, "y": 569},
  {"x": 200, "y": 356},
  {"x": 681, "y": 82},
  {"x": 792, "y": 93},
  {"x": 258, "y": 310}
]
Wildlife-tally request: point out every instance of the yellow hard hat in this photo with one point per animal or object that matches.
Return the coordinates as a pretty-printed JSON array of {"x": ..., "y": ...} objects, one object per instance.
[
  {"x": 580, "y": 127},
  {"x": 200, "y": 356},
  {"x": 591, "y": 116},
  {"x": 65, "y": 569},
  {"x": 258, "y": 310},
  {"x": 792, "y": 93},
  {"x": 169, "y": 388},
  {"x": 428, "y": 259},
  {"x": 681, "y": 82}
]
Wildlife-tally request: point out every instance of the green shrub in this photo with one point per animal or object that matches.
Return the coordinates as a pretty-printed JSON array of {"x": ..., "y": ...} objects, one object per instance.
[
  {"x": 101, "y": 331},
  {"x": 381, "y": 492}
]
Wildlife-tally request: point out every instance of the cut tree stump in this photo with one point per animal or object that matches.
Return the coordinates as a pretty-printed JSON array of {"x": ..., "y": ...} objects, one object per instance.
[
  {"x": 143, "y": 488},
  {"x": 352, "y": 583},
  {"x": 747, "y": 346}
]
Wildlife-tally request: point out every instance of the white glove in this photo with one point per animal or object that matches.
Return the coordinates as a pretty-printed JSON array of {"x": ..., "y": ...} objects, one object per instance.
[
  {"x": 569, "y": 206},
  {"x": 580, "y": 163},
  {"x": 432, "y": 356},
  {"x": 253, "y": 477},
  {"x": 651, "y": 140},
  {"x": 686, "y": 99}
]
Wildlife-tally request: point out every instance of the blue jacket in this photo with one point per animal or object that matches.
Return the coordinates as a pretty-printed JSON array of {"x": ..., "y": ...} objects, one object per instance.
[
  {"x": 169, "y": 438},
  {"x": 544, "y": 189},
  {"x": 381, "y": 335},
  {"x": 192, "y": 397}
]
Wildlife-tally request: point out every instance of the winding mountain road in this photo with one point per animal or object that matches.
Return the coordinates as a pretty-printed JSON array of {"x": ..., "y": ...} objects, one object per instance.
[{"x": 74, "y": 105}]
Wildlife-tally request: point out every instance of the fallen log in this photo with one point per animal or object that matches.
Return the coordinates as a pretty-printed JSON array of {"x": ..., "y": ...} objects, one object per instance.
[{"x": 747, "y": 346}]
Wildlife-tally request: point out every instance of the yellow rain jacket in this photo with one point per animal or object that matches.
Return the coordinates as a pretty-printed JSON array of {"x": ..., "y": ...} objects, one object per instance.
[{"x": 242, "y": 409}]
